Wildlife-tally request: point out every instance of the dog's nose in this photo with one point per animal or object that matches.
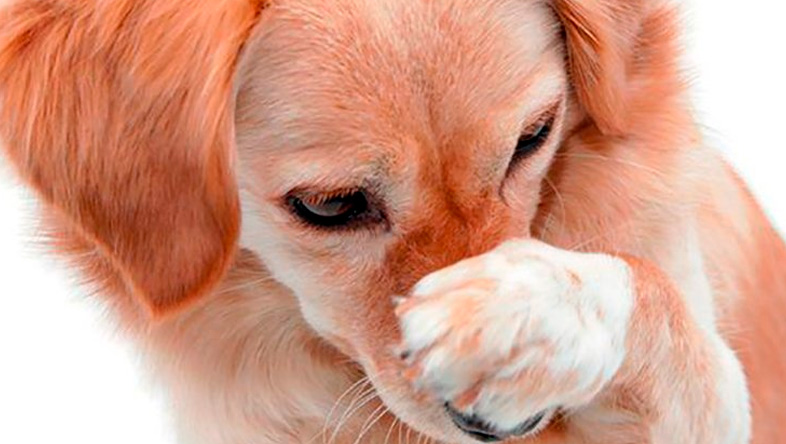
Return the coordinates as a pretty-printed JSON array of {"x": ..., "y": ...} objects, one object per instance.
[{"x": 482, "y": 431}]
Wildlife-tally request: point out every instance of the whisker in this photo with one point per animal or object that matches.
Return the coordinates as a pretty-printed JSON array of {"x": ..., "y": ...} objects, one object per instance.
[
  {"x": 245, "y": 285},
  {"x": 363, "y": 399},
  {"x": 368, "y": 396},
  {"x": 365, "y": 392},
  {"x": 382, "y": 409},
  {"x": 563, "y": 206},
  {"x": 649, "y": 169},
  {"x": 396, "y": 420},
  {"x": 599, "y": 236},
  {"x": 357, "y": 385}
]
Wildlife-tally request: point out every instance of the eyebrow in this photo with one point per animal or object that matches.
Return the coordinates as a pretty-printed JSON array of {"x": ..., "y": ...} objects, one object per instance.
[
  {"x": 331, "y": 181},
  {"x": 551, "y": 107}
]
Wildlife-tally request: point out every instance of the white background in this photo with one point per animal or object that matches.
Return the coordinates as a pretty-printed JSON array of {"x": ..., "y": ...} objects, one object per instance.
[{"x": 64, "y": 378}]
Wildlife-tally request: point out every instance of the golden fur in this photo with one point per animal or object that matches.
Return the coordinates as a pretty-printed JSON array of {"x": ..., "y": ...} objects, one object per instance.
[{"x": 147, "y": 127}]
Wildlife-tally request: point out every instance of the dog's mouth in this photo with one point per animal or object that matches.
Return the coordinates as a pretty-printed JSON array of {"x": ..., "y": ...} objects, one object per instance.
[{"x": 483, "y": 431}]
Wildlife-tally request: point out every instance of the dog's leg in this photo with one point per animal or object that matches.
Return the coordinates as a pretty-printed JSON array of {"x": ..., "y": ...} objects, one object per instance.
[{"x": 605, "y": 348}]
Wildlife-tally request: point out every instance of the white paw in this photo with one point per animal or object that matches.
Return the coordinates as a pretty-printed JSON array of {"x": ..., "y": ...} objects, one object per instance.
[{"x": 507, "y": 338}]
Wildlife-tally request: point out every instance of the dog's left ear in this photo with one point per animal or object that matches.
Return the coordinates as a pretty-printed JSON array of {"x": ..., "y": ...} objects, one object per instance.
[
  {"x": 120, "y": 114},
  {"x": 614, "y": 44}
]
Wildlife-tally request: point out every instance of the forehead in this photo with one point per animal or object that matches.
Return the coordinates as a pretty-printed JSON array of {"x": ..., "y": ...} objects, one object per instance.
[{"x": 422, "y": 69}]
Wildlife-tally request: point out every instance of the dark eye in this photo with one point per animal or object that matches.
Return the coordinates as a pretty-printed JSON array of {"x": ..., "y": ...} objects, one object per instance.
[
  {"x": 531, "y": 141},
  {"x": 344, "y": 210}
]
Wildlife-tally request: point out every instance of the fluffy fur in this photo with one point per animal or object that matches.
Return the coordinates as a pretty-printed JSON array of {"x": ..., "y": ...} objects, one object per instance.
[{"x": 162, "y": 136}]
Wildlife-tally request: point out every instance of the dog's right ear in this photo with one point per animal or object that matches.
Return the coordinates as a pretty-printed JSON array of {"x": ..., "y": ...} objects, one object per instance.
[{"x": 119, "y": 114}]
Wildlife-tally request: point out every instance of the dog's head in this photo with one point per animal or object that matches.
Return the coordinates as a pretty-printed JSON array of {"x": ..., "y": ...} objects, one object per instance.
[{"x": 365, "y": 142}]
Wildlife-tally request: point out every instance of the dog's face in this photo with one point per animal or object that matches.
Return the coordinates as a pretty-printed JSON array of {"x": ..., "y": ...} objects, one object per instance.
[
  {"x": 383, "y": 140},
  {"x": 368, "y": 142}
]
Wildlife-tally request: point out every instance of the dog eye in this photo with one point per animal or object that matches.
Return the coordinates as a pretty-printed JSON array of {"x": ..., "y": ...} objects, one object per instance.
[
  {"x": 531, "y": 141},
  {"x": 343, "y": 210}
]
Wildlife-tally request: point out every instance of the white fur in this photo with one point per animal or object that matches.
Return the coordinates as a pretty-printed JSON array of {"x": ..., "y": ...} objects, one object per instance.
[{"x": 535, "y": 312}]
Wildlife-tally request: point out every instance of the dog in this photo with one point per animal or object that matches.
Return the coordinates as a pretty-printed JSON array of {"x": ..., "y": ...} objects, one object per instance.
[{"x": 452, "y": 221}]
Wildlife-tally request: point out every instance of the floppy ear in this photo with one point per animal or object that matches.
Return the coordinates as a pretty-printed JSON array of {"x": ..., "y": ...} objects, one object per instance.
[
  {"x": 603, "y": 38},
  {"x": 120, "y": 115}
]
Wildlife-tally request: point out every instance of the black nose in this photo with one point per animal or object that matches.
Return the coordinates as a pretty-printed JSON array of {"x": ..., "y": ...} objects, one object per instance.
[
  {"x": 474, "y": 426},
  {"x": 482, "y": 431}
]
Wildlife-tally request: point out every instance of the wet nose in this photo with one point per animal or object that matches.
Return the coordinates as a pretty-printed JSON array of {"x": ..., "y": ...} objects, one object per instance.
[{"x": 483, "y": 431}]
